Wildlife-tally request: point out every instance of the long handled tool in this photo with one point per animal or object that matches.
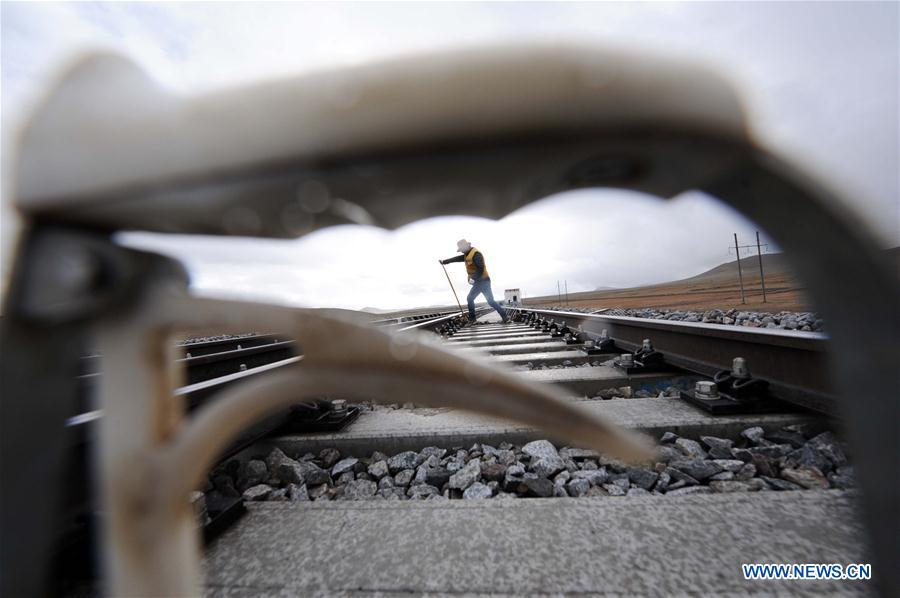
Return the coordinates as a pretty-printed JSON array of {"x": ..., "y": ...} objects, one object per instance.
[{"x": 451, "y": 288}]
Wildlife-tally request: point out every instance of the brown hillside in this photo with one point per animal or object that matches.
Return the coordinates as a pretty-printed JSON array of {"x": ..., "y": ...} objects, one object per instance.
[{"x": 716, "y": 288}]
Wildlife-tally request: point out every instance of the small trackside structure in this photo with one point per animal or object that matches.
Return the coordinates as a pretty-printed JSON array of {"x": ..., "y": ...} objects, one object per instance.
[{"x": 512, "y": 296}]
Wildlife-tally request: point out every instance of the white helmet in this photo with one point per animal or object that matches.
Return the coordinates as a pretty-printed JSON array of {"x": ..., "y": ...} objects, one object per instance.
[{"x": 463, "y": 246}]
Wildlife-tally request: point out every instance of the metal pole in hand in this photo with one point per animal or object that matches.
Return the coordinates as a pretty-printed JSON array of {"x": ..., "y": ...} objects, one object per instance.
[
  {"x": 451, "y": 288},
  {"x": 740, "y": 276}
]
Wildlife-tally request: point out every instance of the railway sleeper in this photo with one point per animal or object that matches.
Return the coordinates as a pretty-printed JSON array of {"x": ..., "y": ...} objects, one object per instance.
[{"x": 730, "y": 391}]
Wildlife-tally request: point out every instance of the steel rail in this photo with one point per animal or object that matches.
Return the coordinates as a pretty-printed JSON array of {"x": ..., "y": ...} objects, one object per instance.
[
  {"x": 435, "y": 322},
  {"x": 90, "y": 364},
  {"x": 416, "y": 317},
  {"x": 426, "y": 321},
  {"x": 194, "y": 394},
  {"x": 207, "y": 365},
  {"x": 794, "y": 363},
  {"x": 212, "y": 365},
  {"x": 198, "y": 348},
  {"x": 431, "y": 323}
]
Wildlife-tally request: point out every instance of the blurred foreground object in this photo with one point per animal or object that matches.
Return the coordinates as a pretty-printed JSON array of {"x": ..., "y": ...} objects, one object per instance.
[{"x": 477, "y": 132}]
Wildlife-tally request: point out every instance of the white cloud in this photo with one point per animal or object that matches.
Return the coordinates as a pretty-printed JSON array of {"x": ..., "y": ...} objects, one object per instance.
[
  {"x": 617, "y": 239},
  {"x": 821, "y": 81}
]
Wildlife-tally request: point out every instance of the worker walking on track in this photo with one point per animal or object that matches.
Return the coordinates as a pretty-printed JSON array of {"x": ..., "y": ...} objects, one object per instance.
[{"x": 478, "y": 277}]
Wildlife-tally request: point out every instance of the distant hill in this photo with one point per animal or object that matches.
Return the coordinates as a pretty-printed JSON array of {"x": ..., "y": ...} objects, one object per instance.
[
  {"x": 715, "y": 288},
  {"x": 773, "y": 263},
  {"x": 346, "y": 314}
]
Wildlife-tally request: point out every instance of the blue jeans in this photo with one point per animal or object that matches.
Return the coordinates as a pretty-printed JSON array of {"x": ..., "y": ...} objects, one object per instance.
[{"x": 483, "y": 287}]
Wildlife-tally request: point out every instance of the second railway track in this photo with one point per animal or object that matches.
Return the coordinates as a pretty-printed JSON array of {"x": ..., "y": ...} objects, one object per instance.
[{"x": 731, "y": 468}]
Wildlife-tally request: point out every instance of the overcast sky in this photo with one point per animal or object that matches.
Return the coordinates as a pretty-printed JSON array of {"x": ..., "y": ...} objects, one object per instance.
[{"x": 820, "y": 80}]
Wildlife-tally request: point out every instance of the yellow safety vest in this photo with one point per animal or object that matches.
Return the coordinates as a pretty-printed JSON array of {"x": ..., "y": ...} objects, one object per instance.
[{"x": 470, "y": 264}]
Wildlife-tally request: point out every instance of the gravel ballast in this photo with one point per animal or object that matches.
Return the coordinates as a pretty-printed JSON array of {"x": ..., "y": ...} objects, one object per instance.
[
  {"x": 784, "y": 460},
  {"x": 784, "y": 320}
]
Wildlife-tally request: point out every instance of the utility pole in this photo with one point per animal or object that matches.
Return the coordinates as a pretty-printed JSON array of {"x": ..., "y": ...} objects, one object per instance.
[
  {"x": 737, "y": 250},
  {"x": 762, "y": 278},
  {"x": 567, "y": 292},
  {"x": 558, "y": 294}
]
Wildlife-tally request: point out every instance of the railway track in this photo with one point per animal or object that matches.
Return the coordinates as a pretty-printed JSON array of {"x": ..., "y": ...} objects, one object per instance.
[
  {"x": 211, "y": 365},
  {"x": 424, "y": 318},
  {"x": 744, "y": 462}
]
